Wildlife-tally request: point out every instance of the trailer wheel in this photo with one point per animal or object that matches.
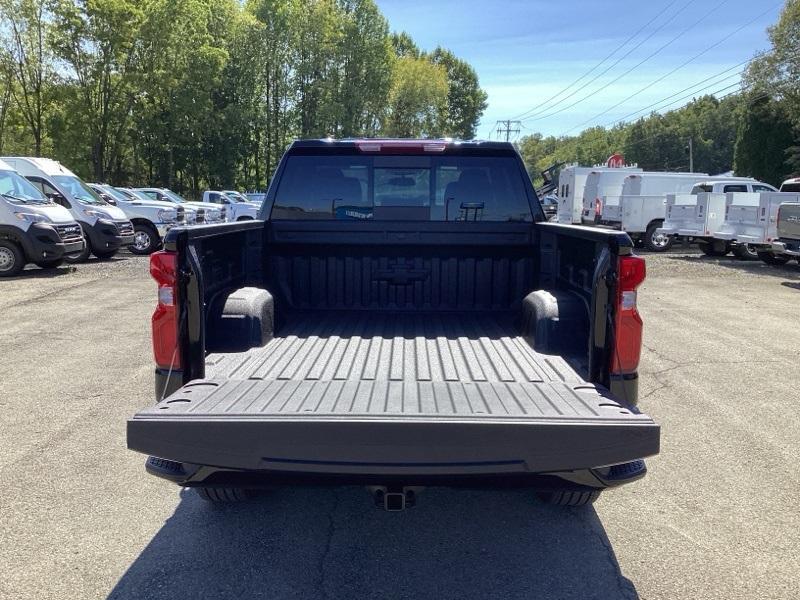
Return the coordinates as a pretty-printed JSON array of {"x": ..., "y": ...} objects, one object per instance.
[
  {"x": 569, "y": 498},
  {"x": 714, "y": 248},
  {"x": 12, "y": 260},
  {"x": 145, "y": 239},
  {"x": 657, "y": 242},
  {"x": 773, "y": 259},
  {"x": 223, "y": 495},
  {"x": 745, "y": 252}
]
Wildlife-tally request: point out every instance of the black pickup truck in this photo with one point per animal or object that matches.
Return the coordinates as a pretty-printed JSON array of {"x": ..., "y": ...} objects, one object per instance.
[{"x": 402, "y": 316}]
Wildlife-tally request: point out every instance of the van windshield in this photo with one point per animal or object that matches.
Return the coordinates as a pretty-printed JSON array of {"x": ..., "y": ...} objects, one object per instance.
[
  {"x": 15, "y": 188},
  {"x": 78, "y": 190}
]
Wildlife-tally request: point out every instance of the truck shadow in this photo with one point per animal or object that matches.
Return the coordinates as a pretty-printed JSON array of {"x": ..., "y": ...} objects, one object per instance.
[{"x": 316, "y": 543}]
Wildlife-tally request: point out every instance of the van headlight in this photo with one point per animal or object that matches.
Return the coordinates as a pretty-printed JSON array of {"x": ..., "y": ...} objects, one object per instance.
[
  {"x": 93, "y": 213},
  {"x": 32, "y": 217},
  {"x": 167, "y": 215}
]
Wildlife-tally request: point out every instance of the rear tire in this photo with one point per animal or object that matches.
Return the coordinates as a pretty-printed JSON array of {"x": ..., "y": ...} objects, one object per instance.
[
  {"x": 50, "y": 264},
  {"x": 657, "y": 242},
  {"x": 12, "y": 259},
  {"x": 223, "y": 495},
  {"x": 773, "y": 259},
  {"x": 145, "y": 239},
  {"x": 569, "y": 498},
  {"x": 745, "y": 252}
]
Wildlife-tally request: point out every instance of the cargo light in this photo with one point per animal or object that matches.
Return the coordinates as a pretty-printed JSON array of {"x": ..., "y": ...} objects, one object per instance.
[
  {"x": 401, "y": 146},
  {"x": 163, "y": 268},
  {"x": 627, "y": 321}
]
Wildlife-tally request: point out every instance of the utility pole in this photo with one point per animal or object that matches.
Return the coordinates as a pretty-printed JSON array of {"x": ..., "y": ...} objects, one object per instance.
[
  {"x": 505, "y": 127},
  {"x": 691, "y": 155}
]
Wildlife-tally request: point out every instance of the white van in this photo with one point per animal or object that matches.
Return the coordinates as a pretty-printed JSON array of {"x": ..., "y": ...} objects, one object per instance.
[
  {"x": 571, "y": 184},
  {"x": 602, "y": 186},
  {"x": 105, "y": 227},
  {"x": 33, "y": 229}
]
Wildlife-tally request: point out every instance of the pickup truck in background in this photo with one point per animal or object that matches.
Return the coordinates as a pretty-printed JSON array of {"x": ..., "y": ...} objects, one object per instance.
[
  {"x": 788, "y": 242},
  {"x": 401, "y": 316},
  {"x": 236, "y": 206}
]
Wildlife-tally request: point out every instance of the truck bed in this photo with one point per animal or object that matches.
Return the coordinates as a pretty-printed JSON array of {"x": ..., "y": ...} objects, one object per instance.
[{"x": 381, "y": 392}]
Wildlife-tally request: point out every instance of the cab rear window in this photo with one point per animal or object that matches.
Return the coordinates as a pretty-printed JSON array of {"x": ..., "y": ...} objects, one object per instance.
[{"x": 421, "y": 188}]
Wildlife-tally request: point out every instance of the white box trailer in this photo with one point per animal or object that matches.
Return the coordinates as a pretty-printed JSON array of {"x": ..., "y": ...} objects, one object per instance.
[
  {"x": 751, "y": 220},
  {"x": 601, "y": 186},
  {"x": 571, "y": 184}
]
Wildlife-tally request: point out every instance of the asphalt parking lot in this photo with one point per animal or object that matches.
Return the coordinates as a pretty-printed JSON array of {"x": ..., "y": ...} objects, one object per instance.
[{"x": 716, "y": 517}]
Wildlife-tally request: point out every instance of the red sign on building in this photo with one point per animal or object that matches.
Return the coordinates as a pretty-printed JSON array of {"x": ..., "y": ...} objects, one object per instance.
[{"x": 615, "y": 161}]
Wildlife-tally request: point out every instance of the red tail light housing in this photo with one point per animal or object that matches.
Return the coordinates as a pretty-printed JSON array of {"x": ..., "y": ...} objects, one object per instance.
[
  {"x": 627, "y": 321},
  {"x": 598, "y": 206},
  {"x": 164, "y": 269}
]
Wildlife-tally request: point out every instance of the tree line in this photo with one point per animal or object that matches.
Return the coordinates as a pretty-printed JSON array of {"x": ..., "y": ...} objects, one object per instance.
[
  {"x": 195, "y": 93},
  {"x": 754, "y": 132}
]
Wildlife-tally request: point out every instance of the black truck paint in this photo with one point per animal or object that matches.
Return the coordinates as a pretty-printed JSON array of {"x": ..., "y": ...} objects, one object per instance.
[{"x": 396, "y": 351}]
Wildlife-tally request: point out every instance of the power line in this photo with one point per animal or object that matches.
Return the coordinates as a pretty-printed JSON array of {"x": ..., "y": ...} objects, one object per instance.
[
  {"x": 692, "y": 59},
  {"x": 598, "y": 65},
  {"x": 538, "y": 114},
  {"x": 636, "y": 66},
  {"x": 641, "y": 110}
]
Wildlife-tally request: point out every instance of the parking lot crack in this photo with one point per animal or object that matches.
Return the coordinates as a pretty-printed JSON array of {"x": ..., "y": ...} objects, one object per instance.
[{"x": 328, "y": 544}]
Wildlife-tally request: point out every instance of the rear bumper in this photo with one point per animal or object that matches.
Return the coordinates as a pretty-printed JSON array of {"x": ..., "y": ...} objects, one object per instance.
[
  {"x": 788, "y": 247},
  {"x": 191, "y": 475}
]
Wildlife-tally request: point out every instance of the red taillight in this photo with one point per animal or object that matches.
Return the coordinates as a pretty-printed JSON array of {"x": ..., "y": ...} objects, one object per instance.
[
  {"x": 598, "y": 206},
  {"x": 163, "y": 268},
  {"x": 627, "y": 321}
]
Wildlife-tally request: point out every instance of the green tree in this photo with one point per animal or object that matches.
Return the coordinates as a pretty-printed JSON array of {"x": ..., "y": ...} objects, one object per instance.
[
  {"x": 466, "y": 101},
  {"x": 26, "y": 24},
  {"x": 418, "y": 99},
  {"x": 765, "y": 134}
]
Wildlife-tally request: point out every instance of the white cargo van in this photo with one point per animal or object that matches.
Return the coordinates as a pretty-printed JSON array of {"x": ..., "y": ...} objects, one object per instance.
[
  {"x": 571, "y": 184},
  {"x": 105, "y": 227},
  {"x": 602, "y": 186},
  {"x": 33, "y": 229}
]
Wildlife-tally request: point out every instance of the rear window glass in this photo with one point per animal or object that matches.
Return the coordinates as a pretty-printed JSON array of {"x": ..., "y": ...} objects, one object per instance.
[
  {"x": 401, "y": 188},
  {"x": 699, "y": 189},
  {"x": 790, "y": 187},
  {"x": 735, "y": 188}
]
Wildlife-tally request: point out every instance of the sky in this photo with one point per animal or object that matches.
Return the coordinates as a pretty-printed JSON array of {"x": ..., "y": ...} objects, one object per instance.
[{"x": 528, "y": 51}]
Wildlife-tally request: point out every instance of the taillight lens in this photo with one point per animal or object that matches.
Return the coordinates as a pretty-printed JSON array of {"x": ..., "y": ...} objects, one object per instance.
[
  {"x": 163, "y": 268},
  {"x": 598, "y": 206},
  {"x": 628, "y": 322}
]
